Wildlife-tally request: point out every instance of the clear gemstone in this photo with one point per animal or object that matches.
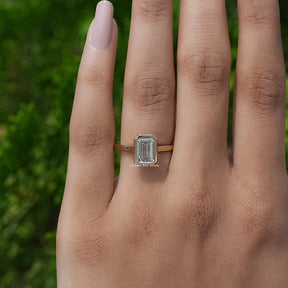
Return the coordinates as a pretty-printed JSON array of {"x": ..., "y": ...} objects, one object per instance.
[{"x": 145, "y": 150}]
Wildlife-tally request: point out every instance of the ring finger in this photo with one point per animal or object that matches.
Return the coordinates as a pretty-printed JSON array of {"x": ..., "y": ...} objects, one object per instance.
[{"x": 148, "y": 105}]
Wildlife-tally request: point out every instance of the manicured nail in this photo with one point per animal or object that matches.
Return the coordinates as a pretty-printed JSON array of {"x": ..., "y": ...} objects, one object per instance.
[{"x": 101, "y": 34}]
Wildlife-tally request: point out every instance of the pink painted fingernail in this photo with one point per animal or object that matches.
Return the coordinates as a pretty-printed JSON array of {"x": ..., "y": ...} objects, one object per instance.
[{"x": 102, "y": 25}]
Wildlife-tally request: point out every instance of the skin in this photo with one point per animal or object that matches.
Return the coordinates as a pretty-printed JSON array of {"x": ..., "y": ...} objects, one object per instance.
[{"x": 203, "y": 218}]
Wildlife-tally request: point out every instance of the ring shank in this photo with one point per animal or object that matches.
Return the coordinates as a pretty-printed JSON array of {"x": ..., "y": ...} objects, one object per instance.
[{"x": 160, "y": 148}]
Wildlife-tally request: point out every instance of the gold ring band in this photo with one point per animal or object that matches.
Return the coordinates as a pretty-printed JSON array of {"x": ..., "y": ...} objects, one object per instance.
[{"x": 160, "y": 148}]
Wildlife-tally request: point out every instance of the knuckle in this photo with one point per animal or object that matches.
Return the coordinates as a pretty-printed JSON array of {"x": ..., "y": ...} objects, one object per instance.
[
  {"x": 263, "y": 89},
  {"x": 150, "y": 95},
  {"x": 196, "y": 216},
  {"x": 87, "y": 136},
  {"x": 152, "y": 11},
  {"x": 259, "y": 212},
  {"x": 141, "y": 220},
  {"x": 207, "y": 70},
  {"x": 257, "y": 12},
  {"x": 91, "y": 76},
  {"x": 258, "y": 218}
]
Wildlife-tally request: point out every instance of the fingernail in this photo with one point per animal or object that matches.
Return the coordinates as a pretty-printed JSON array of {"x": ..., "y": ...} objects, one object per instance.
[{"x": 101, "y": 34}]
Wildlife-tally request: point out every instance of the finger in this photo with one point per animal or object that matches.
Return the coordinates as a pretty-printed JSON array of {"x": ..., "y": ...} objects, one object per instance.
[
  {"x": 259, "y": 131},
  {"x": 90, "y": 176},
  {"x": 203, "y": 83},
  {"x": 148, "y": 106}
]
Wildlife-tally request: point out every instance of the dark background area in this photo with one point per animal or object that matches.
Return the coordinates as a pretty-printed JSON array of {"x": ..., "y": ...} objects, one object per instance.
[{"x": 40, "y": 49}]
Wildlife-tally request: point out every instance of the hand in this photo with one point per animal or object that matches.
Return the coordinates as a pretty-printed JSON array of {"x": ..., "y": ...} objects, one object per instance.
[{"x": 201, "y": 218}]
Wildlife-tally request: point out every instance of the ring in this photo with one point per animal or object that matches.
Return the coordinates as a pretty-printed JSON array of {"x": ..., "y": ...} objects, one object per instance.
[{"x": 145, "y": 148}]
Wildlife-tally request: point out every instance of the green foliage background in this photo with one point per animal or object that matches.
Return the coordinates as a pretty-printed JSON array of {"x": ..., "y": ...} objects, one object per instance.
[{"x": 40, "y": 50}]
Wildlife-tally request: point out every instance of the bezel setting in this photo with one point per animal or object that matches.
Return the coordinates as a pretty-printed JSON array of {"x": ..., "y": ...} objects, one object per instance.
[{"x": 145, "y": 150}]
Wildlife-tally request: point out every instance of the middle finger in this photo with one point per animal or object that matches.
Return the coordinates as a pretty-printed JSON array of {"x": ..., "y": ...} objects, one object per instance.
[{"x": 204, "y": 60}]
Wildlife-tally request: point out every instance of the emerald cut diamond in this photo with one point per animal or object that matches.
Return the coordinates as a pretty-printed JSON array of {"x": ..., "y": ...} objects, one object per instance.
[{"x": 145, "y": 150}]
